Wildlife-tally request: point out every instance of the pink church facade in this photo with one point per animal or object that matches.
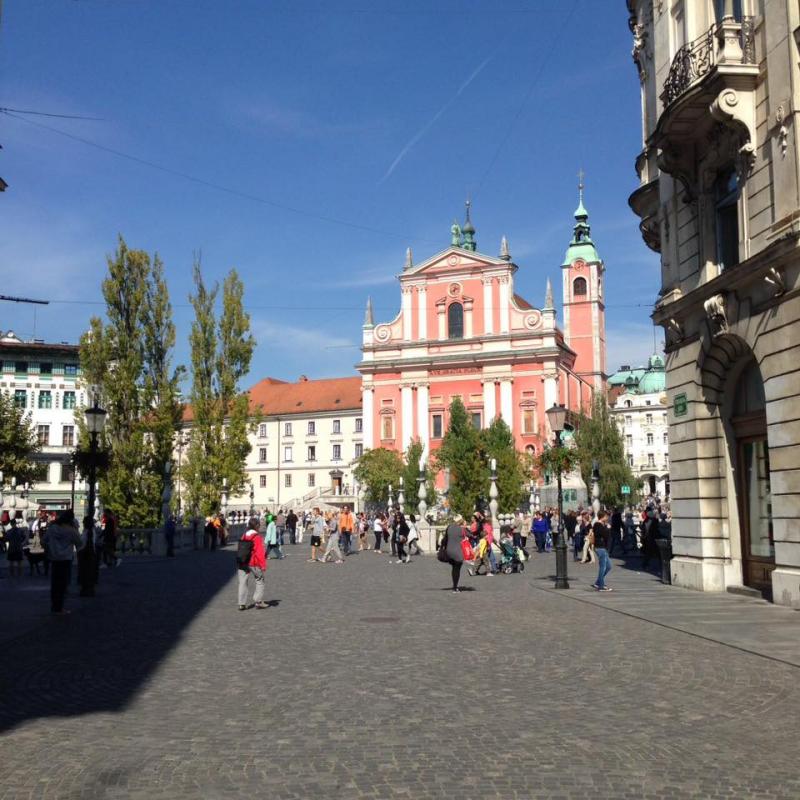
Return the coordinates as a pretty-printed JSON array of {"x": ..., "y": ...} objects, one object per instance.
[{"x": 463, "y": 331}]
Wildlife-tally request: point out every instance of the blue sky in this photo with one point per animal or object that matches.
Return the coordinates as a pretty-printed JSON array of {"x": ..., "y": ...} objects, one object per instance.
[{"x": 343, "y": 131}]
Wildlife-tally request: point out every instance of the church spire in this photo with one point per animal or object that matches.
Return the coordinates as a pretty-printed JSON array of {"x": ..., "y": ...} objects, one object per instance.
[
  {"x": 468, "y": 230},
  {"x": 548, "y": 296},
  {"x": 409, "y": 259},
  {"x": 368, "y": 318},
  {"x": 505, "y": 254}
]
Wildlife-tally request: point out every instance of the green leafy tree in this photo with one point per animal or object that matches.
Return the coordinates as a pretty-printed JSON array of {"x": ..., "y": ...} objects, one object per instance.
[
  {"x": 461, "y": 453},
  {"x": 411, "y": 478},
  {"x": 597, "y": 438},
  {"x": 376, "y": 470},
  {"x": 221, "y": 416},
  {"x": 126, "y": 363},
  {"x": 498, "y": 443},
  {"x": 18, "y": 442}
]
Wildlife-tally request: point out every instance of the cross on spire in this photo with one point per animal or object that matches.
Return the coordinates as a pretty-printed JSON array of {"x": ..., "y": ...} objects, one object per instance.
[{"x": 581, "y": 176}]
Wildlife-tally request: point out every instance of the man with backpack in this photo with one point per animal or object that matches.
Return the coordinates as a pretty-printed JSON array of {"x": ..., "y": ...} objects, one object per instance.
[{"x": 251, "y": 563}]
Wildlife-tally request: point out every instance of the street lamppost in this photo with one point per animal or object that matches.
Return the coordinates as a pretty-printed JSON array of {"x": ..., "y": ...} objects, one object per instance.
[
  {"x": 401, "y": 498},
  {"x": 87, "y": 573},
  {"x": 493, "y": 493},
  {"x": 252, "y": 499},
  {"x": 557, "y": 417},
  {"x": 389, "y": 502}
]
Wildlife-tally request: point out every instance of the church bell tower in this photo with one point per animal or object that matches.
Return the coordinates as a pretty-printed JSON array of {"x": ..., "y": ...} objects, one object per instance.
[{"x": 584, "y": 301}]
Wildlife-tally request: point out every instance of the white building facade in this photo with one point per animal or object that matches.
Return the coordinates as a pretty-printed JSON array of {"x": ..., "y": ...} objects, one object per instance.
[
  {"x": 44, "y": 380},
  {"x": 640, "y": 410},
  {"x": 305, "y": 446}
]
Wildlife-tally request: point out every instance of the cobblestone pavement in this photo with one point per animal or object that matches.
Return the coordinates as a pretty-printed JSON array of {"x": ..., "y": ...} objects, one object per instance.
[{"x": 372, "y": 680}]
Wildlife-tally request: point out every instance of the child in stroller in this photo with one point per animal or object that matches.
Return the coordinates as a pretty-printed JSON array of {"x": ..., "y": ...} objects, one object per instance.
[{"x": 512, "y": 557}]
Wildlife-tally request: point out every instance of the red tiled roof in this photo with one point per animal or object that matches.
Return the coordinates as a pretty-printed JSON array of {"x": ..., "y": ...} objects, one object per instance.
[
  {"x": 272, "y": 396},
  {"x": 522, "y": 302}
]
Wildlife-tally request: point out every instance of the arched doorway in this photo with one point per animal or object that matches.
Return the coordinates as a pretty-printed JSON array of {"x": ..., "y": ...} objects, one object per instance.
[{"x": 748, "y": 427}]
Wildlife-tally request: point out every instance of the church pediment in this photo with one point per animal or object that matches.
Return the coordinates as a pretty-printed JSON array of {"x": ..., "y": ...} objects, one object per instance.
[{"x": 454, "y": 259}]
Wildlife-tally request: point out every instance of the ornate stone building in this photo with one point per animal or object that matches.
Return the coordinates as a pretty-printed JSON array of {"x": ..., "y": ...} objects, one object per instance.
[
  {"x": 463, "y": 331},
  {"x": 639, "y": 405},
  {"x": 719, "y": 199}
]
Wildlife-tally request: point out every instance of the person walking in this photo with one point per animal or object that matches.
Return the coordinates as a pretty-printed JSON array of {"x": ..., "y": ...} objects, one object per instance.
[
  {"x": 35, "y": 551},
  {"x": 291, "y": 526},
  {"x": 413, "y": 536},
  {"x": 539, "y": 530},
  {"x": 271, "y": 538},
  {"x": 616, "y": 531},
  {"x": 451, "y": 547},
  {"x": 600, "y": 536},
  {"x": 332, "y": 550},
  {"x": 280, "y": 526},
  {"x": 16, "y": 543},
  {"x": 61, "y": 540},
  {"x": 377, "y": 529},
  {"x": 401, "y": 532},
  {"x": 347, "y": 524},
  {"x": 316, "y": 530},
  {"x": 362, "y": 527},
  {"x": 251, "y": 562}
]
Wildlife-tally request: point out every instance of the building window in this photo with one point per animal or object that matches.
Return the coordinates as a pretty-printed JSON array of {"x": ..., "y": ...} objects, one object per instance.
[
  {"x": 579, "y": 287},
  {"x": 43, "y": 435},
  {"x": 387, "y": 427},
  {"x": 262, "y": 481},
  {"x": 726, "y": 218},
  {"x": 68, "y": 436},
  {"x": 648, "y": 402},
  {"x": 629, "y": 420},
  {"x": 337, "y": 426},
  {"x": 649, "y": 438},
  {"x": 66, "y": 473},
  {"x": 359, "y": 450},
  {"x": 630, "y": 461},
  {"x": 21, "y": 367},
  {"x": 455, "y": 321},
  {"x": 70, "y": 370},
  {"x": 69, "y": 399},
  {"x": 262, "y": 430},
  {"x": 20, "y": 398},
  {"x": 312, "y": 479},
  {"x": 287, "y": 453},
  {"x": 287, "y": 428},
  {"x": 46, "y": 368},
  {"x": 359, "y": 425},
  {"x": 629, "y": 440},
  {"x": 436, "y": 426},
  {"x": 287, "y": 481},
  {"x": 528, "y": 421},
  {"x": 262, "y": 455},
  {"x": 651, "y": 460},
  {"x": 648, "y": 419},
  {"x": 666, "y": 438},
  {"x": 45, "y": 400},
  {"x": 312, "y": 453},
  {"x": 312, "y": 428},
  {"x": 628, "y": 404},
  {"x": 475, "y": 416},
  {"x": 720, "y": 10},
  {"x": 337, "y": 452}
]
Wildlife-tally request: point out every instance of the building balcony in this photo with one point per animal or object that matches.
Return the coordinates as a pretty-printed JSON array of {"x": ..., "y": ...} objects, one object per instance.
[{"x": 709, "y": 103}]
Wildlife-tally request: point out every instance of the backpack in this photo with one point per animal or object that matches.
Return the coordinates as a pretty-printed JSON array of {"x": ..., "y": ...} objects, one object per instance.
[{"x": 244, "y": 552}]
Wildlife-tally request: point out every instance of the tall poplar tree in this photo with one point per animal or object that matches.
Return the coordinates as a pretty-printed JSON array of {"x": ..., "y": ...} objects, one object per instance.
[
  {"x": 221, "y": 417},
  {"x": 498, "y": 443},
  {"x": 126, "y": 364},
  {"x": 18, "y": 442}
]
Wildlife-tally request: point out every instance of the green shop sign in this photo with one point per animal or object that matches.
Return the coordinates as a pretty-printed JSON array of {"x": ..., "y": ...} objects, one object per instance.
[{"x": 680, "y": 405}]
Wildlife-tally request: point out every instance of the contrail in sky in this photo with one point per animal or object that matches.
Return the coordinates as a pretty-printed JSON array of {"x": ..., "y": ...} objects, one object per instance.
[{"x": 428, "y": 125}]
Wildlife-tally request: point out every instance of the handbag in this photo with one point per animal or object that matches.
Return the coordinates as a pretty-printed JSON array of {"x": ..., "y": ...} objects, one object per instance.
[{"x": 466, "y": 550}]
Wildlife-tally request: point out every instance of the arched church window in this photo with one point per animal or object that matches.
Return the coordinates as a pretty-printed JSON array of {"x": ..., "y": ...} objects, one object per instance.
[
  {"x": 455, "y": 321},
  {"x": 579, "y": 287}
]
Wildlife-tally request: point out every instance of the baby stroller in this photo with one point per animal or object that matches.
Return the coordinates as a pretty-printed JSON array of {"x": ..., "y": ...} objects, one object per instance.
[{"x": 510, "y": 560}]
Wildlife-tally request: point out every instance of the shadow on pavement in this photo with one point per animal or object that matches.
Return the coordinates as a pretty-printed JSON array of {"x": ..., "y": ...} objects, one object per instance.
[{"x": 97, "y": 658}]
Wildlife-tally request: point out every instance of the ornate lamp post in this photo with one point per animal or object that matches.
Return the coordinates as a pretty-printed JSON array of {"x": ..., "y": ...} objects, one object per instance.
[
  {"x": 224, "y": 500},
  {"x": 422, "y": 494},
  {"x": 252, "y": 499},
  {"x": 389, "y": 502},
  {"x": 493, "y": 495},
  {"x": 557, "y": 417},
  {"x": 595, "y": 487},
  {"x": 401, "y": 498},
  {"x": 87, "y": 572}
]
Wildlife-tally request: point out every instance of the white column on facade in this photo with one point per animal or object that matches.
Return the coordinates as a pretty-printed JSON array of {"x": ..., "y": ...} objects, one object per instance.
[
  {"x": 488, "y": 319},
  {"x": 368, "y": 417},
  {"x": 505, "y": 305},
  {"x": 468, "y": 326},
  {"x": 550, "y": 390},
  {"x": 422, "y": 311},
  {"x": 423, "y": 425},
  {"x": 407, "y": 313},
  {"x": 506, "y": 403},
  {"x": 489, "y": 409},
  {"x": 440, "y": 311},
  {"x": 407, "y": 414}
]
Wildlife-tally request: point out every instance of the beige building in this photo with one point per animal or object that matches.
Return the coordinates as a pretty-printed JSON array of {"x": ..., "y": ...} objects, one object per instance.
[
  {"x": 719, "y": 199},
  {"x": 304, "y": 448}
]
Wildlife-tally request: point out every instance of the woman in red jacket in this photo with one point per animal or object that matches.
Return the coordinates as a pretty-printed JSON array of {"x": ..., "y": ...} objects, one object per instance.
[{"x": 251, "y": 560}]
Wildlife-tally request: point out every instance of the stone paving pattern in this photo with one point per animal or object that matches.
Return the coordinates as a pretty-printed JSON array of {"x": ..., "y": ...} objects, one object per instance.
[{"x": 372, "y": 680}]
